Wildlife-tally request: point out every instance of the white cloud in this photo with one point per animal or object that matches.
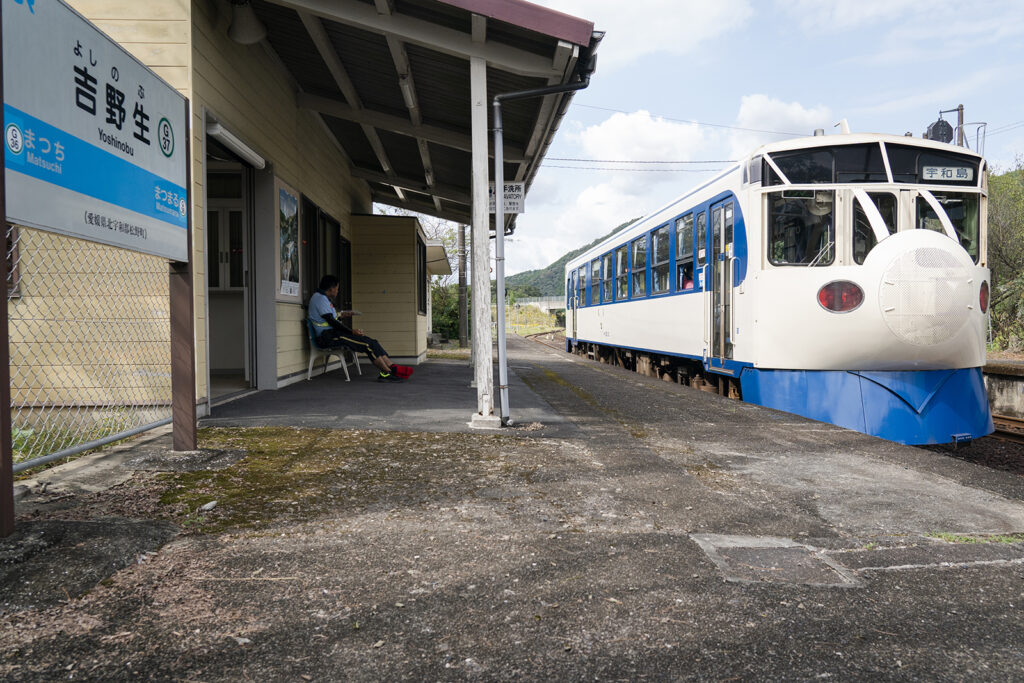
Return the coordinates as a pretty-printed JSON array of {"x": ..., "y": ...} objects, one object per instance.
[
  {"x": 910, "y": 31},
  {"x": 763, "y": 113},
  {"x": 637, "y": 28}
]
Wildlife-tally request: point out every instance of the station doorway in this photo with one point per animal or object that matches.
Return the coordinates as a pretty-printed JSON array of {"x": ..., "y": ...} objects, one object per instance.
[{"x": 229, "y": 242}]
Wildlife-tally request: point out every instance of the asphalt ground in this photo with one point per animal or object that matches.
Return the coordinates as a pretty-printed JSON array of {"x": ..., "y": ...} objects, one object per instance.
[{"x": 623, "y": 529}]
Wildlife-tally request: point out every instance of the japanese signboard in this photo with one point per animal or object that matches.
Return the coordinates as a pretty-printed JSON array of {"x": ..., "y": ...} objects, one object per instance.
[
  {"x": 962, "y": 173},
  {"x": 95, "y": 141},
  {"x": 515, "y": 198}
]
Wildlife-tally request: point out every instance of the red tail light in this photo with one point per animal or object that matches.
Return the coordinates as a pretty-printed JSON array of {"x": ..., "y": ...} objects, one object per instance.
[
  {"x": 983, "y": 297},
  {"x": 840, "y": 297}
]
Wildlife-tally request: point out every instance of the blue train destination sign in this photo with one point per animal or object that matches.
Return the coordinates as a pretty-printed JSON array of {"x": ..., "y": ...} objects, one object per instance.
[{"x": 95, "y": 141}]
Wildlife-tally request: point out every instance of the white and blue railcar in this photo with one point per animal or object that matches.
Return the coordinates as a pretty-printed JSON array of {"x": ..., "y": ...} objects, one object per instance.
[{"x": 840, "y": 277}]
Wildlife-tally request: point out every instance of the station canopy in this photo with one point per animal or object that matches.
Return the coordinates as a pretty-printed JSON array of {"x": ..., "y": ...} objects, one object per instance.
[{"x": 391, "y": 80}]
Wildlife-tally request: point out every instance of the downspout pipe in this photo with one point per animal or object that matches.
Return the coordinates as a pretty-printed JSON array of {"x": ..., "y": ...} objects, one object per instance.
[{"x": 584, "y": 73}]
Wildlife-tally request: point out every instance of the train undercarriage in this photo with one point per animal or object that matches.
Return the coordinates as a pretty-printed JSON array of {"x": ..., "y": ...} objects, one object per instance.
[{"x": 674, "y": 369}]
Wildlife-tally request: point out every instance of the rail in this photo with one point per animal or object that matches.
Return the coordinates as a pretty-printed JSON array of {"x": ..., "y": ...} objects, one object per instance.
[{"x": 1008, "y": 428}]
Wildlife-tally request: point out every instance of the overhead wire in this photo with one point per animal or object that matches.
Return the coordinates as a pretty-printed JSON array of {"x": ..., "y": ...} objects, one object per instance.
[{"x": 698, "y": 123}]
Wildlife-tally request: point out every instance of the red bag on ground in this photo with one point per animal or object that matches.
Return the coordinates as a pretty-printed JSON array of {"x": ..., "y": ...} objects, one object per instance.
[{"x": 403, "y": 371}]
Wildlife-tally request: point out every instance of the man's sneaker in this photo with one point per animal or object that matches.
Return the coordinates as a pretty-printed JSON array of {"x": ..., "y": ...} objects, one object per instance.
[{"x": 390, "y": 377}]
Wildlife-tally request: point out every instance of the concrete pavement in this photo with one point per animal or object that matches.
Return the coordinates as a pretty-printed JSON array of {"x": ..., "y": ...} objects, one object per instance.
[{"x": 625, "y": 529}]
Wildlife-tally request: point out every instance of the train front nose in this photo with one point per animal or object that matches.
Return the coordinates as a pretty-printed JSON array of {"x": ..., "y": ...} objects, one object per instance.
[{"x": 927, "y": 291}]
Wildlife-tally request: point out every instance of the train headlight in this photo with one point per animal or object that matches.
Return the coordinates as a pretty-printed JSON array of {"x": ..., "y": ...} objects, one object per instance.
[
  {"x": 983, "y": 296},
  {"x": 841, "y": 296}
]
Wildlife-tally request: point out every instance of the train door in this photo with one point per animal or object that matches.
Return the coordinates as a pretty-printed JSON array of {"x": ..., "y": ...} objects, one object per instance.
[
  {"x": 574, "y": 299},
  {"x": 723, "y": 261}
]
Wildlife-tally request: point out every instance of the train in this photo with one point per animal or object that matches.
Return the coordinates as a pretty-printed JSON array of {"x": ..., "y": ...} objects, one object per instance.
[{"x": 840, "y": 277}]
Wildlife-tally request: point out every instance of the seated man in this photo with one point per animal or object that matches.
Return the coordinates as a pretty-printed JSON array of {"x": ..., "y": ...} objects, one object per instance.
[{"x": 332, "y": 333}]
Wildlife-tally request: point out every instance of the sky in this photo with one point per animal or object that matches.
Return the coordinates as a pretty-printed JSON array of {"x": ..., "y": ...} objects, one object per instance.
[{"x": 703, "y": 81}]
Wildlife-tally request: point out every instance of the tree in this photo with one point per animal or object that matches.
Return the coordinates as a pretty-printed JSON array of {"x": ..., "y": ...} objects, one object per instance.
[{"x": 1006, "y": 256}]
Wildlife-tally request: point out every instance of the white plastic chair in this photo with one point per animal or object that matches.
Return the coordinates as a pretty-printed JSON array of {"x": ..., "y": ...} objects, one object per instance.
[{"x": 316, "y": 351}]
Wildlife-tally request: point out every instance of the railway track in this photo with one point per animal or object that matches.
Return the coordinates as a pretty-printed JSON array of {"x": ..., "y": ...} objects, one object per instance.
[{"x": 1008, "y": 428}]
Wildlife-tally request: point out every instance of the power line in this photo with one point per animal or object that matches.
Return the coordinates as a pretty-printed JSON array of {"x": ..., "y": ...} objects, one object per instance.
[
  {"x": 635, "y": 170},
  {"x": 698, "y": 123},
  {"x": 634, "y": 161},
  {"x": 1005, "y": 129}
]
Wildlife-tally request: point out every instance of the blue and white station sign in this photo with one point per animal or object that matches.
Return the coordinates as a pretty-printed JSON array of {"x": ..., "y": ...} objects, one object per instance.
[{"x": 95, "y": 141}]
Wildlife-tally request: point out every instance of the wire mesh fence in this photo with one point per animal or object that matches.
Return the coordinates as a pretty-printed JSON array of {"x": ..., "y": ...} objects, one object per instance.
[{"x": 89, "y": 335}]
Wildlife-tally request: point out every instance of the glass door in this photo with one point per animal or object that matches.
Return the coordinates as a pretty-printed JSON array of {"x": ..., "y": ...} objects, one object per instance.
[{"x": 721, "y": 280}]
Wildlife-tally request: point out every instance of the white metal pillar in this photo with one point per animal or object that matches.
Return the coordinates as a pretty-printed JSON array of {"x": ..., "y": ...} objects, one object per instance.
[{"x": 482, "y": 353}]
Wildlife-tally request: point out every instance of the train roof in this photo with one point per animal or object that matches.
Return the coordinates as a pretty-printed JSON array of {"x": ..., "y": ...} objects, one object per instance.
[{"x": 857, "y": 139}]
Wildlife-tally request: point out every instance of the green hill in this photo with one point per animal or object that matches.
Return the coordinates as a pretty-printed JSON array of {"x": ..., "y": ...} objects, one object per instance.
[{"x": 548, "y": 281}]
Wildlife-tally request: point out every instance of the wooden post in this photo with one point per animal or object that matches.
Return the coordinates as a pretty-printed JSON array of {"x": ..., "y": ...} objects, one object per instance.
[
  {"x": 183, "y": 337},
  {"x": 482, "y": 353},
  {"x": 6, "y": 446}
]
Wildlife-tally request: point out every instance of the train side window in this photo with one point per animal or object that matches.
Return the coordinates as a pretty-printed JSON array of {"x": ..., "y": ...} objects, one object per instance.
[
  {"x": 659, "y": 260},
  {"x": 622, "y": 273},
  {"x": 963, "y": 211},
  {"x": 702, "y": 238},
  {"x": 609, "y": 279},
  {"x": 639, "y": 267},
  {"x": 801, "y": 228},
  {"x": 863, "y": 236},
  {"x": 595, "y": 281},
  {"x": 684, "y": 253}
]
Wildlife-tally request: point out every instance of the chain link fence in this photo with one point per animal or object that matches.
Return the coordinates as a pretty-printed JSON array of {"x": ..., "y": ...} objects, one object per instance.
[{"x": 90, "y": 344}]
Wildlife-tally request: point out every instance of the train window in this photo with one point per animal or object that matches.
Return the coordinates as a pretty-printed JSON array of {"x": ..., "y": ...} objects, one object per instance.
[
  {"x": 684, "y": 253},
  {"x": 622, "y": 273},
  {"x": 728, "y": 223},
  {"x": 863, "y": 236},
  {"x": 917, "y": 165},
  {"x": 805, "y": 165},
  {"x": 659, "y": 260},
  {"x": 754, "y": 170},
  {"x": 595, "y": 281},
  {"x": 860, "y": 164},
  {"x": 801, "y": 228},
  {"x": 963, "y": 211},
  {"x": 609, "y": 279},
  {"x": 639, "y": 269},
  {"x": 702, "y": 238}
]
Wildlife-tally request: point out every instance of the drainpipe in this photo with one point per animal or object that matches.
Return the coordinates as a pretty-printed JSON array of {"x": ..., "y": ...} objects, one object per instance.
[{"x": 584, "y": 69}]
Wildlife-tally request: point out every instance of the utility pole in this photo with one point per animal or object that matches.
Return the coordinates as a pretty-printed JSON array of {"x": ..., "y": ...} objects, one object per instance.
[
  {"x": 960, "y": 125},
  {"x": 463, "y": 312}
]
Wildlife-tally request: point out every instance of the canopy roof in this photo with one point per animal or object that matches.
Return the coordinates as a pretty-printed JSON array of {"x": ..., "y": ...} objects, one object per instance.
[{"x": 391, "y": 79}]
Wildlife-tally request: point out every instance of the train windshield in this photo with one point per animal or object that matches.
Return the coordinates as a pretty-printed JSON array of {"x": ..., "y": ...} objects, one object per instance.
[
  {"x": 801, "y": 228},
  {"x": 866, "y": 163},
  {"x": 963, "y": 211}
]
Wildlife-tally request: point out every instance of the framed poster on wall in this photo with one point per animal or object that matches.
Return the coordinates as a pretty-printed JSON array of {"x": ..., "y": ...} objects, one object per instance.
[{"x": 289, "y": 257}]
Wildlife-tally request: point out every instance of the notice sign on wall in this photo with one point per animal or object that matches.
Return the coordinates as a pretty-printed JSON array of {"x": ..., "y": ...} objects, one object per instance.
[
  {"x": 95, "y": 141},
  {"x": 515, "y": 198}
]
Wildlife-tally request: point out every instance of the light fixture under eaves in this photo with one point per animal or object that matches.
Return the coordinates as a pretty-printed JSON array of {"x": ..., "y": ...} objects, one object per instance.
[
  {"x": 218, "y": 133},
  {"x": 408, "y": 94},
  {"x": 246, "y": 28}
]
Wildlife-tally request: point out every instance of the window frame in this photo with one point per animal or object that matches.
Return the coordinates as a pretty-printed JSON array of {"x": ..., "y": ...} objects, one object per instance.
[
  {"x": 681, "y": 257},
  {"x": 622, "y": 272},
  {"x": 594, "y": 283},
  {"x": 665, "y": 229},
  {"x": 635, "y": 277},
  {"x": 608, "y": 281}
]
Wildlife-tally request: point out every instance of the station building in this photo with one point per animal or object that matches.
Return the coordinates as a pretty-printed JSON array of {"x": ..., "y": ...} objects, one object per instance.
[{"x": 304, "y": 115}]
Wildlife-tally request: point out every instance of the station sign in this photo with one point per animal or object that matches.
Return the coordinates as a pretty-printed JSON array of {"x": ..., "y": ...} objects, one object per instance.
[
  {"x": 515, "y": 198},
  {"x": 95, "y": 141}
]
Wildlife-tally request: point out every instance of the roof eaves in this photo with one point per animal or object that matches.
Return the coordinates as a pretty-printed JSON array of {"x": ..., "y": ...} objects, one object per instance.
[{"x": 531, "y": 17}]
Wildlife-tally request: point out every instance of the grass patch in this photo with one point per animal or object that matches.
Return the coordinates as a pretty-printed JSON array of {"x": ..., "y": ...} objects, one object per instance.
[
  {"x": 977, "y": 538},
  {"x": 300, "y": 474}
]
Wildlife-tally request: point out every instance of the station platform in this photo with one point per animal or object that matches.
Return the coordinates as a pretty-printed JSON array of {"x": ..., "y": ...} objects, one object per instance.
[{"x": 622, "y": 528}]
